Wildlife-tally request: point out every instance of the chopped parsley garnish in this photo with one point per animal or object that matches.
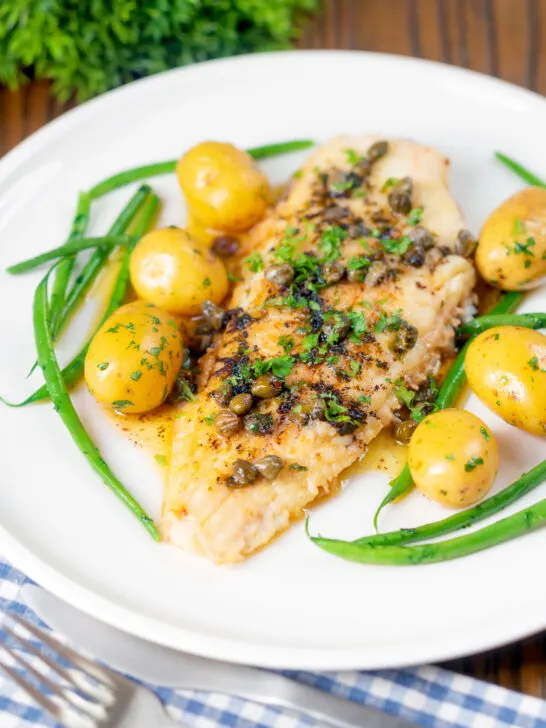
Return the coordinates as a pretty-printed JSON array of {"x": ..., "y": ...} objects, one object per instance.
[
  {"x": 287, "y": 343},
  {"x": 485, "y": 433},
  {"x": 407, "y": 397},
  {"x": 389, "y": 323},
  {"x": 122, "y": 403},
  {"x": 365, "y": 398},
  {"x": 450, "y": 456},
  {"x": 358, "y": 322},
  {"x": 330, "y": 242},
  {"x": 355, "y": 367},
  {"x": 525, "y": 248},
  {"x": 390, "y": 182},
  {"x": 335, "y": 412},
  {"x": 103, "y": 365},
  {"x": 161, "y": 460},
  {"x": 209, "y": 419},
  {"x": 358, "y": 262},
  {"x": 297, "y": 466},
  {"x": 535, "y": 364},
  {"x": 310, "y": 342},
  {"x": 135, "y": 376},
  {"x": 206, "y": 283},
  {"x": 352, "y": 157},
  {"x": 519, "y": 227},
  {"x": 472, "y": 464},
  {"x": 255, "y": 262},
  {"x": 397, "y": 247},
  {"x": 415, "y": 216},
  {"x": 233, "y": 278}
]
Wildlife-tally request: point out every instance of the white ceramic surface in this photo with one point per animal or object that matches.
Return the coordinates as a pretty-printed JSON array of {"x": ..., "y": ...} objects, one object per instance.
[{"x": 293, "y": 605}]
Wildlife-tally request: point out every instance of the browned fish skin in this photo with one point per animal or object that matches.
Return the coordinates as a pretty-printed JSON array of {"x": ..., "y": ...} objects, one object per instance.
[{"x": 340, "y": 348}]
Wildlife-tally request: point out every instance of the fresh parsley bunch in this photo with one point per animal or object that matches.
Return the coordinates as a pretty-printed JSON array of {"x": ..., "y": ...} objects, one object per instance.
[{"x": 89, "y": 46}]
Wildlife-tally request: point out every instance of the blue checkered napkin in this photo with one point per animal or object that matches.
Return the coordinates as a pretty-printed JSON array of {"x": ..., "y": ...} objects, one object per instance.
[{"x": 429, "y": 696}]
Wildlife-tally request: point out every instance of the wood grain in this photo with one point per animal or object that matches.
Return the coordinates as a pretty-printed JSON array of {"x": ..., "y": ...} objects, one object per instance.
[{"x": 505, "y": 38}]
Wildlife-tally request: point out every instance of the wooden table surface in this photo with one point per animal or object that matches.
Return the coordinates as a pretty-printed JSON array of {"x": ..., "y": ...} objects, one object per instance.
[{"x": 505, "y": 38}]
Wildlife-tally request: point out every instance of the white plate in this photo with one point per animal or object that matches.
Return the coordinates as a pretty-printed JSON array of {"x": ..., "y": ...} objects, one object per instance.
[{"x": 293, "y": 605}]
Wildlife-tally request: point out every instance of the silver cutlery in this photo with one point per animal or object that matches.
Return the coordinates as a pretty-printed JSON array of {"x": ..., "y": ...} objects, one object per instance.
[
  {"x": 170, "y": 668},
  {"x": 85, "y": 695}
]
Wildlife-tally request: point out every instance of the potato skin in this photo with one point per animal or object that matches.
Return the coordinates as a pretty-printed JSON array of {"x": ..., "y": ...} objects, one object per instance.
[
  {"x": 453, "y": 458},
  {"x": 176, "y": 272},
  {"x": 134, "y": 358},
  {"x": 224, "y": 187},
  {"x": 506, "y": 369},
  {"x": 511, "y": 254}
]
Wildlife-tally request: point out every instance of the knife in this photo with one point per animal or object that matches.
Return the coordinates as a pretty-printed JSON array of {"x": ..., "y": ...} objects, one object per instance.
[{"x": 169, "y": 668}]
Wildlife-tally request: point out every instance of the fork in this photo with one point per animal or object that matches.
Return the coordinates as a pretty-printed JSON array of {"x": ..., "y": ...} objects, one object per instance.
[{"x": 85, "y": 696}]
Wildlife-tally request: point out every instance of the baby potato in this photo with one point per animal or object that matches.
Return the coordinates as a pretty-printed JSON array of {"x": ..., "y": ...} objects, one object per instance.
[
  {"x": 511, "y": 254},
  {"x": 453, "y": 458},
  {"x": 177, "y": 273},
  {"x": 224, "y": 187},
  {"x": 506, "y": 369},
  {"x": 134, "y": 358}
]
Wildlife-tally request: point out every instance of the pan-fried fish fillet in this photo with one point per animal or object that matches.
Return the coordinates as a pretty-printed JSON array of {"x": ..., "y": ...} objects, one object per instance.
[{"x": 339, "y": 389}]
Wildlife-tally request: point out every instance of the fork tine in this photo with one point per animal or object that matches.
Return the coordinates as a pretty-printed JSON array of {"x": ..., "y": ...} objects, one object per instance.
[
  {"x": 105, "y": 678},
  {"x": 85, "y": 703},
  {"x": 59, "y": 669},
  {"x": 42, "y": 700}
]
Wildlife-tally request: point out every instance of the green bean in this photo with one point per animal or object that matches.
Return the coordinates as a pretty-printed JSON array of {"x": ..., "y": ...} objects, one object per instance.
[
  {"x": 520, "y": 170},
  {"x": 99, "y": 259},
  {"x": 507, "y": 528},
  {"x": 74, "y": 370},
  {"x": 68, "y": 249},
  {"x": 488, "y": 507},
  {"x": 64, "y": 270},
  {"x": 65, "y": 408},
  {"x": 446, "y": 397},
  {"x": 151, "y": 170},
  {"x": 525, "y": 320}
]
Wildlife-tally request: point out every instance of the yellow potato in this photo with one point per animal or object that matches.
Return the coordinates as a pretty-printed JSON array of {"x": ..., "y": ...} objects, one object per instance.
[
  {"x": 176, "y": 272},
  {"x": 506, "y": 369},
  {"x": 511, "y": 254},
  {"x": 224, "y": 187},
  {"x": 453, "y": 458},
  {"x": 134, "y": 358}
]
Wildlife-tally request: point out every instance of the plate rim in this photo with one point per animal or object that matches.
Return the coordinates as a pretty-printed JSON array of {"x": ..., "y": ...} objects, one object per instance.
[{"x": 232, "y": 650}]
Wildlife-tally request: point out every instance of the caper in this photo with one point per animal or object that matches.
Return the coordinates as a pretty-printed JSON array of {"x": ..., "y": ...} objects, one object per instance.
[
  {"x": 364, "y": 166},
  {"x": 224, "y": 394},
  {"x": 336, "y": 212},
  {"x": 266, "y": 386},
  {"x": 414, "y": 255},
  {"x": 280, "y": 275},
  {"x": 243, "y": 473},
  {"x": 405, "y": 338},
  {"x": 269, "y": 466},
  {"x": 402, "y": 431},
  {"x": 186, "y": 358},
  {"x": 465, "y": 244},
  {"x": 421, "y": 236},
  {"x": 338, "y": 326},
  {"x": 405, "y": 184},
  {"x": 333, "y": 271},
  {"x": 357, "y": 230},
  {"x": 356, "y": 275},
  {"x": 318, "y": 411},
  {"x": 241, "y": 403},
  {"x": 202, "y": 325},
  {"x": 400, "y": 201},
  {"x": 227, "y": 423},
  {"x": 213, "y": 314},
  {"x": 225, "y": 246},
  {"x": 258, "y": 424},
  {"x": 346, "y": 428},
  {"x": 377, "y": 150},
  {"x": 376, "y": 273}
]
